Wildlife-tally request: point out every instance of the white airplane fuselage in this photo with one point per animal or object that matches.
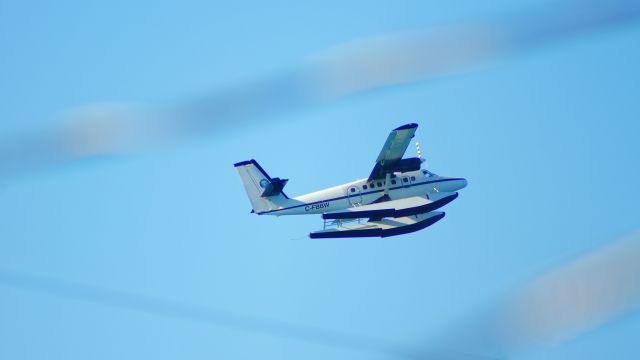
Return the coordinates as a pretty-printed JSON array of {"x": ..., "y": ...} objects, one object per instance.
[
  {"x": 398, "y": 197},
  {"x": 363, "y": 192}
]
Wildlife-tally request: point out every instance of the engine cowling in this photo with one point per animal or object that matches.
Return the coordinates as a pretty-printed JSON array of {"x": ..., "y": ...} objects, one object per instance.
[{"x": 407, "y": 165}]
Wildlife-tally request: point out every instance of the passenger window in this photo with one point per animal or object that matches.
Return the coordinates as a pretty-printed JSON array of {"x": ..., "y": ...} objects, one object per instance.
[
  {"x": 393, "y": 182},
  {"x": 372, "y": 186},
  {"x": 405, "y": 180},
  {"x": 353, "y": 189},
  {"x": 364, "y": 187},
  {"x": 379, "y": 184},
  {"x": 413, "y": 178}
]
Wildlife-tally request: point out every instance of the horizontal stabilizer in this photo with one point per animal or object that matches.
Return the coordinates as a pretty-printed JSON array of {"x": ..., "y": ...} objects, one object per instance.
[
  {"x": 274, "y": 187},
  {"x": 380, "y": 228},
  {"x": 394, "y": 208}
]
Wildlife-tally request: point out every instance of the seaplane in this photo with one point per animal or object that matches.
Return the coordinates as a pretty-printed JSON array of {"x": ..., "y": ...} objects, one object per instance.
[{"x": 398, "y": 197}]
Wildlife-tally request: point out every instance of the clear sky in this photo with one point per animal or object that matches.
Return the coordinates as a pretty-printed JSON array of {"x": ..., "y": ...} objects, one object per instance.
[{"x": 548, "y": 140}]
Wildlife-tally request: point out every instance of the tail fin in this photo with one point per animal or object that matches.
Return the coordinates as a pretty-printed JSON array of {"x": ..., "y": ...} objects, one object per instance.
[{"x": 264, "y": 192}]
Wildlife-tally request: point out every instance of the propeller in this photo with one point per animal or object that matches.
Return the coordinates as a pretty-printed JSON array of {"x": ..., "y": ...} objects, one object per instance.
[{"x": 419, "y": 153}]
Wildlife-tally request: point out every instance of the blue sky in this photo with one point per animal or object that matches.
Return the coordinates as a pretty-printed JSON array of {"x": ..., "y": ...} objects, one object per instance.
[{"x": 546, "y": 138}]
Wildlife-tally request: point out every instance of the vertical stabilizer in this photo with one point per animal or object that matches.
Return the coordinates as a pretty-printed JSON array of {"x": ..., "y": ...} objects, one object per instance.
[{"x": 264, "y": 192}]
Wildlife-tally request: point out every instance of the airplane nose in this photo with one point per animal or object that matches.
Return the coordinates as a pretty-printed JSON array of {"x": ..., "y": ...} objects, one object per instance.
[
  {"x": 452, "y": 184},
  {"x": 459, "y": 183}
]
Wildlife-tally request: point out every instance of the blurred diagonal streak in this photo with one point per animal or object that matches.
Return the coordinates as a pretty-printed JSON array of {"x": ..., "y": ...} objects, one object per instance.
[
  {"x": 201, "y": 314},
  {"x": 563, "y": 303},
  {"x": 354, "y": 68}
]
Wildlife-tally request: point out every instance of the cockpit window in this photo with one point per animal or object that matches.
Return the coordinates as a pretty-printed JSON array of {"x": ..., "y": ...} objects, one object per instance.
[{"x": 428, "y": 173}]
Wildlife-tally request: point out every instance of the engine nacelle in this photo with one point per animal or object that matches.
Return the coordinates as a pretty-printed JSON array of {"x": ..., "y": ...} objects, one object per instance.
[{"x": 407, "y": 165}]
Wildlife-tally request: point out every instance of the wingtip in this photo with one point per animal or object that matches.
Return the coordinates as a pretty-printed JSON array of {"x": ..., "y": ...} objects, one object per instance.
[{"x": 406, "y": 126}]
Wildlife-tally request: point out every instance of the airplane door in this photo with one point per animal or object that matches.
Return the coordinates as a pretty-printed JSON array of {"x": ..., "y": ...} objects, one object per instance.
[{"x": 354, "y": 195}]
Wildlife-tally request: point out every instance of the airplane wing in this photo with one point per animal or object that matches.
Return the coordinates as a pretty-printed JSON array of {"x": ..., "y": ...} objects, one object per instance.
[{"x": 393, "y": 150}]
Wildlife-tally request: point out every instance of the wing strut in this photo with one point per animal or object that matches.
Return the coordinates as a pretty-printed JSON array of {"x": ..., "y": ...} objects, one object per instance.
[{"x": 386, "y": 184}]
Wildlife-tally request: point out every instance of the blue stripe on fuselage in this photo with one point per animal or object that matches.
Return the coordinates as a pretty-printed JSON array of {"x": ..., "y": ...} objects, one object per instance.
[{"x": 362, "y": 193}]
